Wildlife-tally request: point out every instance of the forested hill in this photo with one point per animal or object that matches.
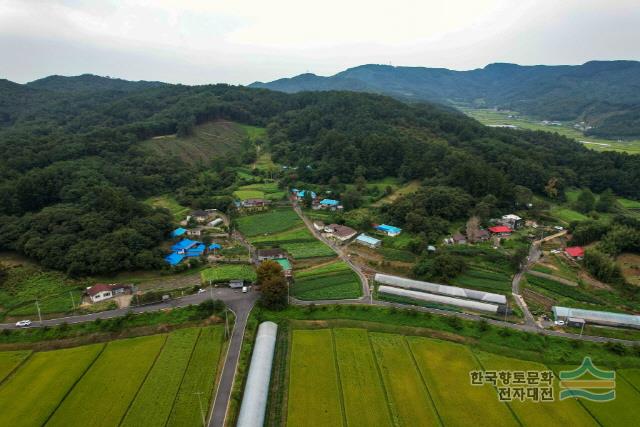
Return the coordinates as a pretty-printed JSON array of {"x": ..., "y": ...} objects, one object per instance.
[
  {"x": 606, "y": 94},
  {"x": 74, "y": 171},
  {"x": 90, "y": 82}
]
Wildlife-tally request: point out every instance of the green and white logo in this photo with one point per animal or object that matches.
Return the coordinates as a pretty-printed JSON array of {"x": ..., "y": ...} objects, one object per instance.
[{"x": 588, "y": 382}]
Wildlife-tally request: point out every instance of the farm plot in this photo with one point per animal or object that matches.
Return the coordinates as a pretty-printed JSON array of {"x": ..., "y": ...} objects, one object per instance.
[
  {"x": 632, "y": 376},
  {"x": 199, "y": 379},
  {"x": 102, "y": 396},
  {"x": 445, "y": 368},
  {"x": 365, "y": 403},
  {"x": 271, "y": 222},
  {"x": 563, "y": 412},
  {"x": 26, "y": 283},
  {"x": 294, "y": 235},
  {"x": 226, "y": 272},
  {"x": 266, "y": 190},
  {"x": 166, "y": 201},
  {"x": 311, "y": 249},
  {"x": 9, "y": 360},
  {"x": 409, "y": 399},
  {"x": 557, "y": 288},
  {"x": 484, "y": 279},
  {"x": 313, "y": 368},
  {"x": 624, "y": 410},
  {"x": 332, "y": 281},
  {"x": 154, "y": 401},
  {"x": 30, "y": 396}
]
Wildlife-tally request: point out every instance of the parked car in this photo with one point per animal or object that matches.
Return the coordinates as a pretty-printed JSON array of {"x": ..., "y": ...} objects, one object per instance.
[
  {"x": 23, "y": 323},
  {"x": 245, "y": 289},
  {"x": 201, "y": 291},
  {"x": 559, "y": 323}
]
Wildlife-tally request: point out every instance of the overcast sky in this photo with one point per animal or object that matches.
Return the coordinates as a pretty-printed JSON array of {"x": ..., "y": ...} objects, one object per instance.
[{"x": 239, "y": 41}]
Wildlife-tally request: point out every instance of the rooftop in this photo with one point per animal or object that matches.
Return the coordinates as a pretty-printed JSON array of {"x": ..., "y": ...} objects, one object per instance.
[
  {"x": 178, "y": 232},
  {"x": 388, "y": 228},
  {"x": 575, "y": 251},
  {"x": 367, "y": 239},
  {"x": 183, "y": 245},
  {"x": 329, "y": 202},
  {"x": 500, "y": 229},
  {"x": 284, "y": 263},
  {"x": 597, "y": 316}
]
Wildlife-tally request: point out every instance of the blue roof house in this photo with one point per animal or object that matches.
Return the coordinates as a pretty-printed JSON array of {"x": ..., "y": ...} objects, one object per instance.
[
  {"x": 214, "y": 246},
  {"x": 301, "y": 193},
  {"x": 329, "y": 203},
  {"x": 174, "y": 258},
  {"x": 178, "y": 232},
  {"x": 183, "y": 245},
  {"x": 196, "y": 251},
  {"x": 389, "y": 230}
]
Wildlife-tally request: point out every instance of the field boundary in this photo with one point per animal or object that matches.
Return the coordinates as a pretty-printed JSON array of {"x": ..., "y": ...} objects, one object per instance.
[
  {"x": 339, "y": 379},
  {"x": 144, "y": 380},
  {"x": 422, "y": 380},
  {"x": 80, "y": 377},
  {"x": 11, "y": 373},
  {"x": 380, "y": 377}
]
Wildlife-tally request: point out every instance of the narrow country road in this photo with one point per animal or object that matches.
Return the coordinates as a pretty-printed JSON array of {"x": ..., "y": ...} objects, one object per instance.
[
  {"x": 241, "y": 308},
  {"x": 366, "y": 292}
]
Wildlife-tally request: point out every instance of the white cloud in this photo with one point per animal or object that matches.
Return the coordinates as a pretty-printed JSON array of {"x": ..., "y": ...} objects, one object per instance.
[{"x": 239, "y": 41}]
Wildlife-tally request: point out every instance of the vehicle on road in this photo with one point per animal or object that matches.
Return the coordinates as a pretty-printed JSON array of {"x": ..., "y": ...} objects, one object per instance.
[
  {"x": 245, "y": 289},
  {"x": 23, "y": 323},
  {"x": 202, "y": 290}
]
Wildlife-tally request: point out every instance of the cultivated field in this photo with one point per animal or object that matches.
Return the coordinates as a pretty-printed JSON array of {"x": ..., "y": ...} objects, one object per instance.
[
  {"x": 148, "y": 381},
  {"x": 266, "y": 190},
  {"x": 272, "y": 222},
  {"x": 353, "y": 377},
  {"x": 226, "y": 272},
  {"x": 208, "y": 141},
  {"x": 178, "y": 211},
  {"x": 330, "y": 281},
  {"x": 492, "y": 117}
]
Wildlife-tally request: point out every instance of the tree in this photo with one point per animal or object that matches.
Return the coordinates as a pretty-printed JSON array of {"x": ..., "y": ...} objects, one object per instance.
[
  {"x": 273, "y": 293},
  {"x": 585, "y": 202},
  {"x": 473, "y": 229},
  {"x": 523, "y": 195},
  {"x": 268, "y": 269},
  {"x": 307, "y": 200},
  {"x": 606, "y": 202},
  {"x": 553, "y": 188},
  {"x": 351, "y": 199},
  {"x": 442, "y": 267},
  {"x": 518, "y": 257},
  {"x": 602, "y": 267}
]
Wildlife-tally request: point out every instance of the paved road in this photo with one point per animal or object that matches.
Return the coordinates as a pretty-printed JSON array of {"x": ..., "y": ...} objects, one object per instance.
[
  {"x": 241, "y": 308},
  {"x": 534, "y": 256}
]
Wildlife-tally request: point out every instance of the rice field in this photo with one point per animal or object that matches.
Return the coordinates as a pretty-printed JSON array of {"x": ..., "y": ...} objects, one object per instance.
[
  {"x": 147, "y": 381},
  {"x": 9, "y": 360},
  {"x": 355, "y": 377},
  {"x": 313, "y": 368}
]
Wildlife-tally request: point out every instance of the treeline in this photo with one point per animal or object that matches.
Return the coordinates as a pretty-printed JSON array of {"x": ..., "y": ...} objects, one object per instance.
[{"x": 73, "y": 172}]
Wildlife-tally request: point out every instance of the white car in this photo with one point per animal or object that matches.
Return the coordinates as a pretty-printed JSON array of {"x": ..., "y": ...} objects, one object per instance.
[
  {"x": 559, "y": 323},
  {"x": 245, "y": 289},
  {"x": 201, "y": 291},
  {"x": 23, "y": 323}
]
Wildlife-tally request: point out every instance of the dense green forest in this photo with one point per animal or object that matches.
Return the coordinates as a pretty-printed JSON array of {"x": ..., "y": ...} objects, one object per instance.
[
  {"x": 605, "y": 94},
  {"x": 73, "y": 171}
]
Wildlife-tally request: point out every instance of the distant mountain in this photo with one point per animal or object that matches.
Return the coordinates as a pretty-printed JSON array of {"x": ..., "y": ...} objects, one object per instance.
[
  {"x": 605, "y": 94},
  {"x": 90, "y": 82}
]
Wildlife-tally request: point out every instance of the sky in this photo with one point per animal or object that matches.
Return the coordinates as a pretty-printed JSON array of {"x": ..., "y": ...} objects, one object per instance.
[{"x": 240, "y": 41}]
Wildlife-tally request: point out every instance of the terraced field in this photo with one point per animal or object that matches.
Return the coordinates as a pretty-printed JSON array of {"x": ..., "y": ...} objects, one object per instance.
[
  {"x": 226, "y": 272},
  {"x": 354, "y": 377},
  {"x": 208, "y": 141},
  {"x": 267, "y": 190},
  {"x": 148, "y": 381}
]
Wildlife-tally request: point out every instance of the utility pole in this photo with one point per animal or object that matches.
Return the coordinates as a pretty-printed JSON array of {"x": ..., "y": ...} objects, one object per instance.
[
  {"x": 73, "y": 303},
  {"x": 39, "y": 315},
  {"x": 582, "y": 329},
  {"x": 204, "y": 423}
]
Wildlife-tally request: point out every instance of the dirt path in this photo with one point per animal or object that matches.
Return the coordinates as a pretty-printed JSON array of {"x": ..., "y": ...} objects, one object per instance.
[{"x": 552, "y": 277}]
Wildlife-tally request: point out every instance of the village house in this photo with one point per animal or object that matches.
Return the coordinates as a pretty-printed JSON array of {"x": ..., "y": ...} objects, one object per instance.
[
  {"x": 459, "y": 239},
  {"x": 255, "y": 203},
  {"x": 575, "y": 252},
  {"x": 186, "y": 248},
  {"x": 368, "y": 241},
  {"x": 329, "y": 204},
  {"x": 287, "y": 270},
  {"x": 500, "y": 230},
  {"x": 483, "y": 235},
  {"x": 318, "y": 225},
  {"x": 340, "y": 232},
  {"x": 101, "y": 291},
  {"x": 195, "y": 232},
  {"x": 512, "y": 221},
  {"x": 200, "y": 216},
  {"x": 300, "y": 194},
  {"x": 178, "y": 232},
  {"x": 272, "y": 253},
  {"x": 389, "y": 230}
]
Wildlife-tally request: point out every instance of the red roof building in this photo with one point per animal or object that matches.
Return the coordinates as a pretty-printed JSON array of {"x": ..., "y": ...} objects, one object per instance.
[
  {"x": 500, "y": 229},
  {"x": 575, "y": 251}
]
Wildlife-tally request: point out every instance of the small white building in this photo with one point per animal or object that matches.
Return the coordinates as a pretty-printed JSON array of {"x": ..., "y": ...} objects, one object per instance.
[
  {"x": 369, "y": 241},
  {"x": 101, "y": 291},
  {"x": 512, "y": 221}
]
